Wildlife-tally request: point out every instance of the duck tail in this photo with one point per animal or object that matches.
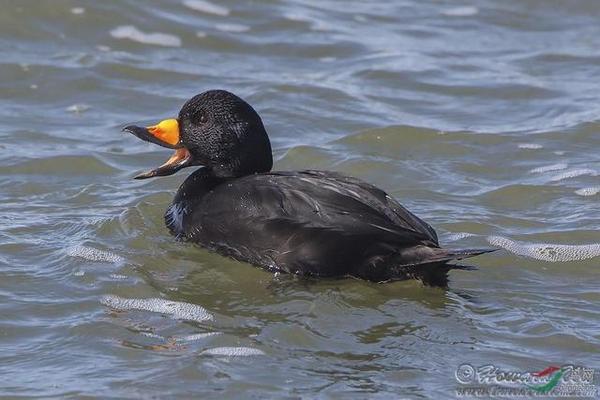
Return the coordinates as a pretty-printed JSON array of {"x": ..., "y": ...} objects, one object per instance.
[
  {"x": 460, "y": 254},
  {"x": 434, "y": 270}
]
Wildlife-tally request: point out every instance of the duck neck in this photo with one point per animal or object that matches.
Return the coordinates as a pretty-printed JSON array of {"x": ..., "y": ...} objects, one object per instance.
[
  {"x": 250, "y": 155},
  {"x": 196, "y": 185},
  {"x": 191, "y": 191}
]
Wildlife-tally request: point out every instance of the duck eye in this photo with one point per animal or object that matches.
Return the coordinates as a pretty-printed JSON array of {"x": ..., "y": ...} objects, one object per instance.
[{"x": 199, "y": 118}]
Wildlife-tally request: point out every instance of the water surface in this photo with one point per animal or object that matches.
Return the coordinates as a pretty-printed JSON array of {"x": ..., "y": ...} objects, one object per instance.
[{"x": 482, "y": 118}]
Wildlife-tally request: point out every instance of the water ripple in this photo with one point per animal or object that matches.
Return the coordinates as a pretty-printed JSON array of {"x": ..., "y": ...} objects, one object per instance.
[
  {"x": 175, "y": 309},
  {"x": 134, "y": 34},
  {"x": 206, "y": 7},
  {"x": 93, "y": 254},
  {"x": 233, "y": 352},
  {"x": 547, "y": 251}
]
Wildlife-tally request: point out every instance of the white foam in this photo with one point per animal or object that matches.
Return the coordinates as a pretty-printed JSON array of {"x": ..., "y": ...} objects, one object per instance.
[
  {"x": 453, "y": 237},
  {"x": 233, "y": 351},
  {"x": 463, "y": 11},
  {"x": 201, "y": 34},
  {"x": 206, "y": 7},
  {"x": 92, "y": 254},
  {"x": 152, "y": 335},
  {"x": 198, "y": 336},
  {"x": 573, "y": 173},
  {"x": 547, "y": 251},
  {"x": 530, "y": 146},
  {"x": 300, "y": 16},
  {"x": 327, "y": 59},
  {"x": 234, "y": 28},
  {"x": 78, "y": 108},
  {"x": 77, "y": 10},
  {"x": 548, "y": 168},
  {"x": 589, "y": 191},
  {"x": 175, "y": 309},
  {"x": 132, "y": 33},
  {"x": 296, "y": 16}
]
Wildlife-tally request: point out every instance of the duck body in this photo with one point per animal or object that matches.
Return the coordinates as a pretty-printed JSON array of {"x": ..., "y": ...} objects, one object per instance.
[{"x": 309, "y": 223}]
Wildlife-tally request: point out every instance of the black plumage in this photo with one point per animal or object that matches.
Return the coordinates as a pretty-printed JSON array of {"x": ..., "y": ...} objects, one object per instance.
[{"x": 310, "y": 223}]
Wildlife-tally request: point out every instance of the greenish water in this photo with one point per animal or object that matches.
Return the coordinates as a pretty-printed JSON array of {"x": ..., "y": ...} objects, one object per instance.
[{"x": 482, "y": 118}]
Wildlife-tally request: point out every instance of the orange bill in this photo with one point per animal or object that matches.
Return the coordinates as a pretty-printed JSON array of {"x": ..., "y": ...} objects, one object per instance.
[{"x": 165, "y": 134}]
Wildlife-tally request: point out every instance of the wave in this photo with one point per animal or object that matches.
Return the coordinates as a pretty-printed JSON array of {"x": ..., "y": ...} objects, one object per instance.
[
  {"x": 132, "y": 33},
  {"x": 175, "y": 309},
  {"x": 547, "y": 251}
]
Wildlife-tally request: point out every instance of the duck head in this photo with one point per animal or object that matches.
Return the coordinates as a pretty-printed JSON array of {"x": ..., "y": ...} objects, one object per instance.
[{"x": 215, "y": 129}]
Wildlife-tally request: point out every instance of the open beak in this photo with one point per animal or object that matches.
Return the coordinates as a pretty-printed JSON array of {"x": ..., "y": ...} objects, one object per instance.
[{"x": 166, "y": 134}]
